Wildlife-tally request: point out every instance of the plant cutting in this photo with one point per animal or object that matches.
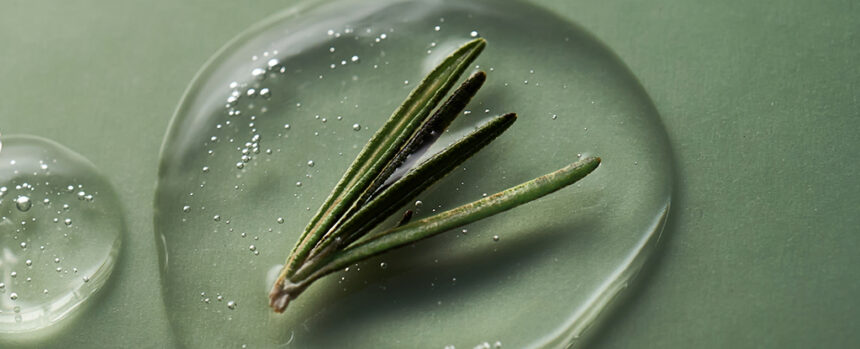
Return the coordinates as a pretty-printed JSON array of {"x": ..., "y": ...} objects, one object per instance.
[{"x": 381, "y": 180}]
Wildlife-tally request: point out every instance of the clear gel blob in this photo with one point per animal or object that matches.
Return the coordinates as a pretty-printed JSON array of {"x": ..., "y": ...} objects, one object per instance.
[
  {"x": 60, "y": 233},
  {"x": 311, "y": 86}
]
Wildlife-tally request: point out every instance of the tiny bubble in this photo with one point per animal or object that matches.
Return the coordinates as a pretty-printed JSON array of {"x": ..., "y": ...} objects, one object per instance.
[
  {"x": 23, "y": 203},
  {"x": 495, "y": 238}
]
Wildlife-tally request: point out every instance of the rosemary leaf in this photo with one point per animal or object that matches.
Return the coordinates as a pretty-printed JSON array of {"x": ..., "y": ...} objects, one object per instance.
[{"x": 432, "y": 128}]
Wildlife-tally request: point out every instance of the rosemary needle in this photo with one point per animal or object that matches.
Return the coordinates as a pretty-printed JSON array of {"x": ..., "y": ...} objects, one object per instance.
[{"x": 379, "y": 182}]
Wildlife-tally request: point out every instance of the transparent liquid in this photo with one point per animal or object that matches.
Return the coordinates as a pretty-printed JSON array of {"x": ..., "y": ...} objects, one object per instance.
[
  {"x": 60, "y": 232},
  {"x": 273, "y": 120}
]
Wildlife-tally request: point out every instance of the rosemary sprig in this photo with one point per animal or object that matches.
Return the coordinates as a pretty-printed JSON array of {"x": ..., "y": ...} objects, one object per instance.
[{"x": 372, "y": 189}]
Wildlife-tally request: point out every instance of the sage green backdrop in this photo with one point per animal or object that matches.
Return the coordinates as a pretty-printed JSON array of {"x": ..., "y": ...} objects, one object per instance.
[{"x": 761, "y": 100}]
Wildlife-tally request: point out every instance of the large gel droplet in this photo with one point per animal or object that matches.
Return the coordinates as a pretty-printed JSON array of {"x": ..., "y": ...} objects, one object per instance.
[
  {"x": 236, "y": 190},
  {"x": 60, "y": 232}
]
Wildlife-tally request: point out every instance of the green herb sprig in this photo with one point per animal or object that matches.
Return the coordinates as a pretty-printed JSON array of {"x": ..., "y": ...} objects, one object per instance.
[{"x": 371, "y": 190}]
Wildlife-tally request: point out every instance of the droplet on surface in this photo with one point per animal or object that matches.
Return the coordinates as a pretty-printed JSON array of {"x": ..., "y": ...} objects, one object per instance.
[{"x": 91, "y": 244}]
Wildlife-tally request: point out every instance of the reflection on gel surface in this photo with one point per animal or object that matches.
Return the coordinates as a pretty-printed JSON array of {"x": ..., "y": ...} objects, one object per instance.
[
  {"x": 273, "y": 120},
  {"x": 60, "y": 232}
]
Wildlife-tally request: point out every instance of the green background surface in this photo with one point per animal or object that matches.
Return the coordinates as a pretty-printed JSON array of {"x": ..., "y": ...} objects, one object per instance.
[{"x": 760, "y": 101}]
